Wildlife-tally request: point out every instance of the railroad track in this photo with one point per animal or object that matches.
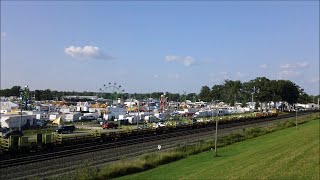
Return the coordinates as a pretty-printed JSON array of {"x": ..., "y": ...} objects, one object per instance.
[
  {"x": 96, "y": 146},
  {"x": 131, "y": 147}
]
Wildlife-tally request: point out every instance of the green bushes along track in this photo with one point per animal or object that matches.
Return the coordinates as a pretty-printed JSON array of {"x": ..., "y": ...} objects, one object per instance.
[{"x": 285, "y": 154}]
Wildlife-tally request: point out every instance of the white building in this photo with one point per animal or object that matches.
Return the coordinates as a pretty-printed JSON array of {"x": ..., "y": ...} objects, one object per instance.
[
  {"x": 13, "y": 121},
  {"x": 45, "y": 107},
  {"x": 308, "y": 106},
  {"x": 40, "y": 115},
  {"x": 72, "y": 117},
  {"x": 7, "y": 106},
  {"x": 67, "y": 109},
  {"x": 131, "y": 103},
  {"x": 53, "y": 116},
  {"x": 132, "y": 119},
  {"x": 82, "y": 106},
  {"x": 114, "y": 112}
]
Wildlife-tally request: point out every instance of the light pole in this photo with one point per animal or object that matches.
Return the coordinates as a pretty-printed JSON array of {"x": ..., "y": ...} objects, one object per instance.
[
  {"x": 149, "y": 109},
  {"x": 20, "y": 113},
  {"x": 216, "y": 136},
  {"x": 296, "y": 118},
  {"x": 138, "y": 114},
  {"x": 212, "y": 110},
  {"x": 254, "y": 90}
]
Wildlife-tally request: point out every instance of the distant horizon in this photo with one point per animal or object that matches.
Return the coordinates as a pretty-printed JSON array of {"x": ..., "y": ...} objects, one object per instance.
[
  {"x": 160, "y": 46},
  {"x": 181, "y": 93}
]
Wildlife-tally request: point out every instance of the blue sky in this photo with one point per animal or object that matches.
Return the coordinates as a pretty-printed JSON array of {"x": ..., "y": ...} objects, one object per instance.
[{"x": 157, "y": 46}]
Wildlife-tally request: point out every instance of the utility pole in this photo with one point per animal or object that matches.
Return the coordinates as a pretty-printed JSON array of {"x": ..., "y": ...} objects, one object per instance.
[
  {"x": 212, "y": 110},
  {"x": 149, "y": 109},
  {"x": 296, "y": 118},
  {"x": 138, "y": 114},
  {"x": 216, "y": 136},
  {"x": 20, "y": 114},
  {"x": 254, "y": 90}
]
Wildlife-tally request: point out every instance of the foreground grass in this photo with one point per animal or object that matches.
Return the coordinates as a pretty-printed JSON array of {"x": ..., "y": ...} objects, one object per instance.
[{"x": 285, "y": 154}]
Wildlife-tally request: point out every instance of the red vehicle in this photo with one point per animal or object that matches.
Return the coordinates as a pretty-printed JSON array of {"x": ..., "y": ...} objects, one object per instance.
[{"x": 110, "y": 125}]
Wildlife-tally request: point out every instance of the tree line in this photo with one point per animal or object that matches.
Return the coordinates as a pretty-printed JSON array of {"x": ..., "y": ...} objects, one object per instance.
[
  {"x": 260, "y": 89},
  {"x": 47, "y": 94}
]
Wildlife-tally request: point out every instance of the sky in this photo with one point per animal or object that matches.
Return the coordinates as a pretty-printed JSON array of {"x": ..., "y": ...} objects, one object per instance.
[{"x": 157, "y": 46}]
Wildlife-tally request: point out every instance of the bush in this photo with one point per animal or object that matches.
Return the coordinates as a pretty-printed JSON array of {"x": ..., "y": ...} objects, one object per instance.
[
  {"x": 86, "y": 172},
  {"x": 289, "y": 124},
  {"x": 254, "y": 132},
  {"x": 121, "y": 168}
]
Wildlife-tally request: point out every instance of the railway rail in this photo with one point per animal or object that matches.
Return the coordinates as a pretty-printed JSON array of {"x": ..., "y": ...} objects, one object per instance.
[
  {"x": 75, "y": 149},
  {"x": 127, "y": 148}
]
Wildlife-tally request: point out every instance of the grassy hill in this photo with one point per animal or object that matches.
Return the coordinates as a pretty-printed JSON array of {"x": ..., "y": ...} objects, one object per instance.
[{"x": 285, "y": 154}]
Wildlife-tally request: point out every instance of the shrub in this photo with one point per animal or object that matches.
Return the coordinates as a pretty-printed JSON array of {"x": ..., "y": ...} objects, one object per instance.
[
  {"x": 125, "y": 167},
  {"x": 289, "y": 124},
  {"x": 121, "y": 168},
  {"x": 254, "y": 132},
  {"x": 86, "y": 172}
]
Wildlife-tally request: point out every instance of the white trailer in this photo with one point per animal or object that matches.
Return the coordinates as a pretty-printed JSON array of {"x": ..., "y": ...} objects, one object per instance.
[{"x": 132, "y": 119}]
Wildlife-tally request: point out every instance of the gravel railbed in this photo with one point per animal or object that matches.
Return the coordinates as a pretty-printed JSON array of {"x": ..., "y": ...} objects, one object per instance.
[{"x": 68, "y": 165}]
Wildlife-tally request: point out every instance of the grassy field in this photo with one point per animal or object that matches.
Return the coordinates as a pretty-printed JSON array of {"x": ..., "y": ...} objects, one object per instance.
[{"x": 285, "y": 154}]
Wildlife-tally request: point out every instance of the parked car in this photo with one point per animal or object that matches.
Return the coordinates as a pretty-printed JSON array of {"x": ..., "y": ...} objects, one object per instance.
[
  {"x": 41, "y": 123},
  {"x": 65, "y": 129},
  {"x": 9, "y": 133},
  {"x": 98, "y": 121},
  {"x": 110, "y": 125},
  {"x": 83, "y": 118}
]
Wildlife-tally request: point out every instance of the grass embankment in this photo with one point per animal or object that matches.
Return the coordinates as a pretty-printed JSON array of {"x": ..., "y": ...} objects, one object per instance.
[
  {"x": 145, "y": 162},
  {"x": 285, "y": 154}
]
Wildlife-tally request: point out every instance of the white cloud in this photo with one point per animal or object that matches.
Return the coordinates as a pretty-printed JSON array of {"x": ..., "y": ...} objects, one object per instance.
[
  {"x": 288, "y": 73},
  {"x": 295, "y": 65},
  {"x": 91, "y": 52},
  {"x": 286, "y": 66},
  {"x": 172, "y": 58},
  {"x": 264, "y": 66},
  {"x": 187, "y": 60},
  {"x": 302, "y": 64},
  {"x": 156, "y": 76}
]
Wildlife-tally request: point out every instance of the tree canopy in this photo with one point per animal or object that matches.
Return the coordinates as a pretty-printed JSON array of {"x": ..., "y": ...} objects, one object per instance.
[{"x": 261, "y": 89}]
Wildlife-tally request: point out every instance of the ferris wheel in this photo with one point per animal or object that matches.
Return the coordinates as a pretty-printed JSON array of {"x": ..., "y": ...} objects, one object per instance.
[{"x": 112, "y": 91}]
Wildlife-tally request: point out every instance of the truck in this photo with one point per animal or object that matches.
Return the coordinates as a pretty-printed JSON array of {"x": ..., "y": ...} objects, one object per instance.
[{"x": 65, "y": 129}]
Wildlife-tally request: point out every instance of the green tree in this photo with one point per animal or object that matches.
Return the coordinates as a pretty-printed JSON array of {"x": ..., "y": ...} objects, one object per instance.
[
  {"x": 192, "y": 97},
  {"x": 217, "y": 92},
  {"x": 288, "y": 91},
  {"x": 46, "y": 95},
  {"x": 231, "y": 91},
  {"x": 15, "y": 91},
  {"x": 205, "y": 94}
]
